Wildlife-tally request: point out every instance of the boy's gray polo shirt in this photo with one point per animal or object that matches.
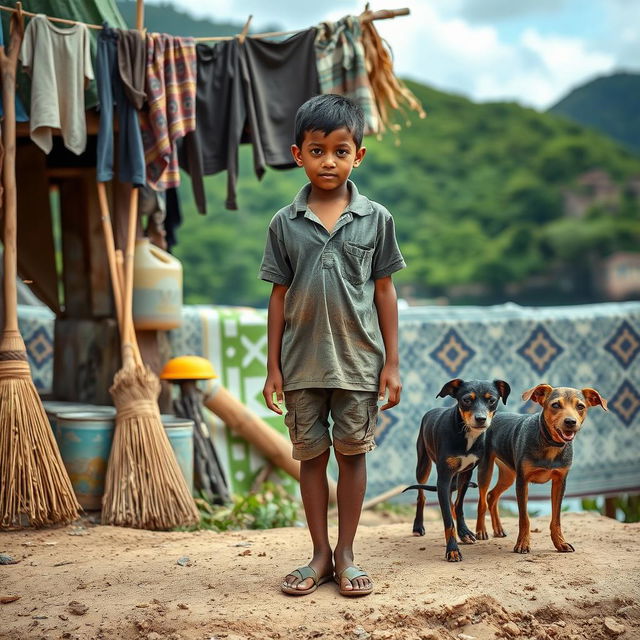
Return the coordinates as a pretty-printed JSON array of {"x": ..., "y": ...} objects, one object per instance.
[{"x": 331, "y": 338}]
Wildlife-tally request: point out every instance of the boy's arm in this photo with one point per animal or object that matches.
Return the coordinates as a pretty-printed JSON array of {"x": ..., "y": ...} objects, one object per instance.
[
  {"x": 386, "y": 302},
  {"x": 275, "y": 329}
]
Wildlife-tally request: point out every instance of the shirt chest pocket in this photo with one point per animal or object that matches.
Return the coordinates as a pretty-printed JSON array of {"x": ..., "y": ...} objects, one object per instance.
[{"x": 356, "y": 262}]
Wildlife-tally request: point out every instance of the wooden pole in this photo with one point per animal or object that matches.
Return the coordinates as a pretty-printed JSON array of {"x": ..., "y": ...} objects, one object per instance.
[{"x": 140, "y": 15}]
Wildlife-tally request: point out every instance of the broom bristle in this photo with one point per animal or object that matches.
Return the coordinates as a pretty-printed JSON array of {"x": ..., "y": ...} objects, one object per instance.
[
  {"x": 35, "y": 488},
  {"x": 144, "y": 487}
]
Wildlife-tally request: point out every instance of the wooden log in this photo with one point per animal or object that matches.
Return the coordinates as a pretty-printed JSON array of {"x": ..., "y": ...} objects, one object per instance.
[{"x": 246, "y": 424}]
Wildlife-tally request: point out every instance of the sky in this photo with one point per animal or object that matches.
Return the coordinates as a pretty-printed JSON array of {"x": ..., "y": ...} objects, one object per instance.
[{"x": 529, "y": 51}]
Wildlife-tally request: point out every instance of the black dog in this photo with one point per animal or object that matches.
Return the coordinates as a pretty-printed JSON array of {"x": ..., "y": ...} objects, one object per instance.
[{"x": 454, "y": 439}]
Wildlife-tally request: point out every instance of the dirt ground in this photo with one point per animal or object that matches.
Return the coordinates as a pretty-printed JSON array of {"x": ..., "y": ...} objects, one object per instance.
[{"x": 88, "y": 582}]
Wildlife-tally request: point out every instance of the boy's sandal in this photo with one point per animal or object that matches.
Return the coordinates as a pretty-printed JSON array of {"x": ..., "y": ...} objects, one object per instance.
[
  {"x": 303, "y": 573},
  {"x": 351, "y": 573}
]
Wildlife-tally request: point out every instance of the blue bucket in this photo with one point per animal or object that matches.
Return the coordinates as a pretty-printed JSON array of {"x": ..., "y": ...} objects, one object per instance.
[
  {"x": 180, "y": 434},
  {"x": 53, "y": 407},
  {"x": 84, "y": 439}
]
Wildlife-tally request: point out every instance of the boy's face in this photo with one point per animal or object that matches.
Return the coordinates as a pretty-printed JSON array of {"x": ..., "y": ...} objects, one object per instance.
[{"x": 328, "y": 159}]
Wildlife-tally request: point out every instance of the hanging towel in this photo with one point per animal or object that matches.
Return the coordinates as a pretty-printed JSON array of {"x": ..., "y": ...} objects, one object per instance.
[
  {"x": 171, "y": 97},
  {"x": 341, "y": 65},
  {"x": 132, "y": 62},
  {"x": 131, "y": 162},
  {"x": 283, "y": 76},
  {"x": 59, "y": 62}
]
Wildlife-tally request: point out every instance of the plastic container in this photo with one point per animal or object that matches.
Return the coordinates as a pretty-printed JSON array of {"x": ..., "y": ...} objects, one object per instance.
[
  {"x": 85, "y": 438},
  {"x": 157, "y": 288},
  {"x": 180, "y": 434}
]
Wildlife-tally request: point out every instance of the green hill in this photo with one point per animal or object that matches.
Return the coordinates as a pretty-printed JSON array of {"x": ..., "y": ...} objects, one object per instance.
[
  {"x": 609, "y": 104},
  {"x": 477, "y": 194}
]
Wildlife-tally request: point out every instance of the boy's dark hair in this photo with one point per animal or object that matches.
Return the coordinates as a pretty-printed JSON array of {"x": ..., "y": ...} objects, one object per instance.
[{"x": 327, "y": 113}]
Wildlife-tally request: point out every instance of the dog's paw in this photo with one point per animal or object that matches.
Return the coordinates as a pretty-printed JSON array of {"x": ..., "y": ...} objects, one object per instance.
[
  {"x": 564, "y": 547},
  {"x": 454, "y": 555},
  {"x": 522, "y": 547},
  {"x": 418, "y": 531},
  {"x": 499, "y": 533},
  {"x": 482, "y": 535},
  {"x": 466, "y": 536}
]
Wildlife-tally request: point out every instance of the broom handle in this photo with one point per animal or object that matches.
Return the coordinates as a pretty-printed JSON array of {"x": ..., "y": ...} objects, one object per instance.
[
  {"x": 130, "y": 350},
  {"x": 8, "y": 66},
  {"x": 107, "y": 229}
]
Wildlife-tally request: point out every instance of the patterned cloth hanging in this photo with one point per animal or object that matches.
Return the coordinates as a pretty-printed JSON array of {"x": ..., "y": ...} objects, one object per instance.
[
  {"x": 340, "y": 60},
  {"x": 171, "y": 97}
]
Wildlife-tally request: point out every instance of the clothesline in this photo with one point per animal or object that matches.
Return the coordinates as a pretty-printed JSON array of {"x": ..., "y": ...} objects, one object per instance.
[
  {"x": 367, "y": 16},
  {"x": 63, "y": 20}
]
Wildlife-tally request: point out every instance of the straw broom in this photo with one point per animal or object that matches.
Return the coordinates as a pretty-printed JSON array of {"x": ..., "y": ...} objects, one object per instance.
[
  {"x": 144, "y": 487},
  {"x": 34, "y": 485}
]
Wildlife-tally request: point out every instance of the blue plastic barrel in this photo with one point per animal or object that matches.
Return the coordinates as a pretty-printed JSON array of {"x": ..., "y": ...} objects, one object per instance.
[
  {"x": 84, "y": 439},
  {"x": 180, "y": 434}
]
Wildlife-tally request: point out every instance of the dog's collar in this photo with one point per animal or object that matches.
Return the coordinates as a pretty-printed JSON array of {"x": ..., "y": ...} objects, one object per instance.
[{"x": 546, "y": 436}]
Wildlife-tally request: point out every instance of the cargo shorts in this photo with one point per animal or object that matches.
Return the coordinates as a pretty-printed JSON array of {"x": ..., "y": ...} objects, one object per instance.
[{"x": 353, "y": 413}]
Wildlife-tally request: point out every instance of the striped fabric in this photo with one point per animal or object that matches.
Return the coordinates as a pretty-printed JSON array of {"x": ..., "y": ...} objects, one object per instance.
[
  {"x": 340, "y": 61},
  {"x": 171, "y": 114}
]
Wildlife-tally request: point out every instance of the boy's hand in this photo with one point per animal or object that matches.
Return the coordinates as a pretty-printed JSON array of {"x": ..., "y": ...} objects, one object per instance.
[
  {"x": 390, "y": 379},
  {"x": 273, "y": 385}
]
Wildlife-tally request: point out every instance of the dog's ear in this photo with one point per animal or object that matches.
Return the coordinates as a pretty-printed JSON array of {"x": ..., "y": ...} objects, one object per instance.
[
  {"x": 450, "y": 388},
  {"x": 593, "y": 398},
  {"x": 538, "y": 394},
  {"x": 503, "y": 389}
]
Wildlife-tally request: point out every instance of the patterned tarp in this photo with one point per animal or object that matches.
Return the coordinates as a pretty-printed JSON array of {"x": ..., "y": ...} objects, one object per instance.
[{"x": 581, "y": 346}]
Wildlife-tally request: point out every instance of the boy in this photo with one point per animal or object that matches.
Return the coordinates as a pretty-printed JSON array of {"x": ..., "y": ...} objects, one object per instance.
[{"x": 332, "y": 330}]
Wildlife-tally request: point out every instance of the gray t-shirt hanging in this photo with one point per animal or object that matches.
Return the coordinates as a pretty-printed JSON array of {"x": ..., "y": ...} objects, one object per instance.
[
  {"x": 331, "y": 337},
  {"x": 59, "y": 62}
]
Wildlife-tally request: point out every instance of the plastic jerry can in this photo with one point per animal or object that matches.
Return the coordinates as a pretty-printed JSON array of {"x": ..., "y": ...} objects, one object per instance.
[{"x": 157, "y": 288}]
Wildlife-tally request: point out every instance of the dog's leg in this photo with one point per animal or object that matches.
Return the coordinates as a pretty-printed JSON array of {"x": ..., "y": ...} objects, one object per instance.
[
  {"x": 423, "y": 469},
  {"x": 444, "y": 498},
  {"x": 485, "y": 470},
  {"x": 505, "y": 480},
  {"x": 522, "y": 494},
  {"x": 463, "y": 531},
  {"x": 557, "y": 493}
]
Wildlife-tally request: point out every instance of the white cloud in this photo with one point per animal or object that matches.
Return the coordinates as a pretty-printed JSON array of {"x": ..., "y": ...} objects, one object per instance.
[{"x": 454, "y": 55}]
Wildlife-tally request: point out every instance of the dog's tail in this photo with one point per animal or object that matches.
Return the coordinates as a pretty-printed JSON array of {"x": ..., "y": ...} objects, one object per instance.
[{"x": 432, "y": 487}]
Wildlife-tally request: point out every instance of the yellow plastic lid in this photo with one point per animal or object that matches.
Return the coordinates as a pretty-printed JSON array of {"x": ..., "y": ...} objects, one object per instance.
[{"x": 188, "y": 368}]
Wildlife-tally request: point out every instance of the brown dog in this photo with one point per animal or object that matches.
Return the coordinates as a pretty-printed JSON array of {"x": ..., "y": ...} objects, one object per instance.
[{"x": 533, "y": 448}]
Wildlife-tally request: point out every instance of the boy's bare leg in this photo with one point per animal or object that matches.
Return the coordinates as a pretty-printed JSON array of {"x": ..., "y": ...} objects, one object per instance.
[
  {"x": 352, "y": 484},
  {"x": 314, "y": 489}
]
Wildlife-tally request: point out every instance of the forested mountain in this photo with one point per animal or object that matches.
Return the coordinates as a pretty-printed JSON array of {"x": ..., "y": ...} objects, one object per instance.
[
  {"x": 478, "y": 194},
  {"x": 610, "y": 104}
]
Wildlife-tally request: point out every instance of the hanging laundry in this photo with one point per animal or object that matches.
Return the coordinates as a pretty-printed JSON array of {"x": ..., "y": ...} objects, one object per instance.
[
  {"x": 21, "y": 114},
  {"x": 171, "y": 97},
  {"x": 59, "y": 62},
  {"x": 111, "y": 91},
  {"x": 283, "y": 76},
  {"x": 340, "y": 60},
  {"x": 132, "y": 62},
  {"x": 225, "y": 113}
]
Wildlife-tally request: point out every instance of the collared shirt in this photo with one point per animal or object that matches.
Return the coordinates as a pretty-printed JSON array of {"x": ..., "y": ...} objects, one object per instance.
[{"x": 331, "y": 338}]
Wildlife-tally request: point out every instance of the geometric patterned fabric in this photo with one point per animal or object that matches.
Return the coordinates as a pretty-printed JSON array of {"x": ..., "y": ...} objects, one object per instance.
[{"x": 579, "y": 346}]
